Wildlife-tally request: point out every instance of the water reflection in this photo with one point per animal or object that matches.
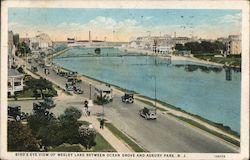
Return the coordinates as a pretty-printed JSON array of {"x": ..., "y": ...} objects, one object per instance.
[{"x": 192, "y": 68}]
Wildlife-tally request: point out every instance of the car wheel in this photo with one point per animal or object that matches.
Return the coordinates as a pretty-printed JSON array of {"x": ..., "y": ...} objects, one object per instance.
[
  {"x": 130, "y": 100},
  {"x": 18, "y": 118}
]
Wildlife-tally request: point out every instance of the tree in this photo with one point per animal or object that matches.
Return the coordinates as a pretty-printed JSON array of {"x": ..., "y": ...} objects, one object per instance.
[
  {"x": 98, "y": 50},
  {"x": 87, "y": 136},
  {"x": 179, "y": 47},
  {"x": 40, "y": 85},
  {"x": 23, "y": 49},
  {"x": 20, "y": 138},
  {"x": 36, "y": 121},
  {"x": 71, "y": 114},
  {"x": 69, "y": 125},
  {"x": 51, "y": 135}
]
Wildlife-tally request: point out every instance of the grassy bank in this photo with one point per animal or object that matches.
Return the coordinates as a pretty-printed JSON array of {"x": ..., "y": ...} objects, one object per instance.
[
  {"x": 124, "y": 137},
  {"x": 217, "y": 125},
  {"x": 204, "y": 128},
  {"x": 233, "y": 61}
]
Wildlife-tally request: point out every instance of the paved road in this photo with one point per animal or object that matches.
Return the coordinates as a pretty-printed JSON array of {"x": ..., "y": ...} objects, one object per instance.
[{"x": 166, "y": 134}]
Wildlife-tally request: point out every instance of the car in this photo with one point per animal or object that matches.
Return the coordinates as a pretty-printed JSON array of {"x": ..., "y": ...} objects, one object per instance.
[
  {"x": 48, "y": 102},
  {"x": 15, "y": 113},
  {"x": 39, "y": 109},
  {"x": 78, "y": 90},
  {"x": 128, "y": 98},
  {"x": 69, "y": 86},
  {"x": 148, "y": 113}
]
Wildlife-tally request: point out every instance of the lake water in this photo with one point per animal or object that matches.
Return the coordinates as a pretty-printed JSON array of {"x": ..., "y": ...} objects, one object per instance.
[{"x": 193, "y": 87}]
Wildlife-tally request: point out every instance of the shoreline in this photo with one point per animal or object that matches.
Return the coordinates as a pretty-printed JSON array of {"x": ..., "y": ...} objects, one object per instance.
[
  {"x": 173, "y": 57},
  {"x": 170, "y": 109}
]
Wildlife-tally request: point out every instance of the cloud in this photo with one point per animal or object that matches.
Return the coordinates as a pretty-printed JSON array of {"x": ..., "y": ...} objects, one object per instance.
[
  {"x": 148, "y": 18},
  {"x": 109, "y": 23},
  {"x": 230, "y": 18}
]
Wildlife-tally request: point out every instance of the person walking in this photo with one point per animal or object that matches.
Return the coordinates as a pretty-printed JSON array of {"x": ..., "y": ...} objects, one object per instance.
[
  {"x": 86, "y": 107},
  {"x": 101, "y": 123}
]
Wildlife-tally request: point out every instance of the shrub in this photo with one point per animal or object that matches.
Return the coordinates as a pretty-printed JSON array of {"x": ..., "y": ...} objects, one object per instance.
[
  {"x": 87, "y": 136},
  {"x": 20, "y": 138}
]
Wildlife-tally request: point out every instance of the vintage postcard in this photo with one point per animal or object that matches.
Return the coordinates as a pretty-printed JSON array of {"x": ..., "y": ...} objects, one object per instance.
[{"x": 125, "y": 79}]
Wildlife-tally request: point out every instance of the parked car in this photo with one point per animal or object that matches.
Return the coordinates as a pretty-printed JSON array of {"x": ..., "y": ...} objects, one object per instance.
[
  {"x": 128, "y": 98},
  {"x": 15, "y": 113},
  {"x": 148, "y": 113},
  {"x": 69, "y": 86},
  {"x": 62, "y": 73},
  {"x": 39, "y": 109},
  {"x": 48, "y": 102},
  {"x": 78, "y": 90}
]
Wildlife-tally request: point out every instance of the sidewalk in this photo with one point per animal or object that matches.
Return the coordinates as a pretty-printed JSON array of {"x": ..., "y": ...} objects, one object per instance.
[{"x": 118, "y": 145}]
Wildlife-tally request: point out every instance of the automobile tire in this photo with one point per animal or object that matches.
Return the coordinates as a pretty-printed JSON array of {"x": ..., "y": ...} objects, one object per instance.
[{"x": 18, "y": 118}]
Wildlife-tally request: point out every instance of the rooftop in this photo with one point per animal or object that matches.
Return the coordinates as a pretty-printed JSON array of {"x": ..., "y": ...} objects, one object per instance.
[{"x": 14, "y": 73}]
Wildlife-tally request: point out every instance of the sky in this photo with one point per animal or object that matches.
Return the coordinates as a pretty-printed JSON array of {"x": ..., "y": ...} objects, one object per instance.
[{"x": 123, "y": 24}]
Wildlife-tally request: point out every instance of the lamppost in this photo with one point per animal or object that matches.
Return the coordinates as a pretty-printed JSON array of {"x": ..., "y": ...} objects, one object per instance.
[
  {"x": 90, "y": 91},
  {"x": 155, "y": 89},
  {"x": 154, "y": 76}
]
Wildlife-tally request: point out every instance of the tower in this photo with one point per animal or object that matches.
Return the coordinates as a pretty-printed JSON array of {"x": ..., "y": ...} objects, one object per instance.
[{"x": 90, "y": 40}]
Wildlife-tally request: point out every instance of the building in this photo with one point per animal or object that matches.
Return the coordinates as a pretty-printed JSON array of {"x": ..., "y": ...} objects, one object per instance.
[
  {"x": 40, "y": 42},
  {"x": 181, "y": 40},
  {"x": 234, "y": 45},
  {"x": 16, "y": 39},
  {"x": 10, "y": 42},
  {"x": 15, "y": 81}
]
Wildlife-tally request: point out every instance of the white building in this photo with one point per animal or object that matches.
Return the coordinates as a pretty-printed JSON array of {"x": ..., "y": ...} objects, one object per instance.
[
  {"x": 234, "y": 44},
  {"x": 15, "y": 81},
  {"x": 40, "y": 42}
]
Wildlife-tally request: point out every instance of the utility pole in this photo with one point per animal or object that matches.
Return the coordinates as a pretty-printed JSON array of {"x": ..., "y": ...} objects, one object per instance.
[
  {"x": 89, "y": 91},
  {"x": 155, "y": 90}
]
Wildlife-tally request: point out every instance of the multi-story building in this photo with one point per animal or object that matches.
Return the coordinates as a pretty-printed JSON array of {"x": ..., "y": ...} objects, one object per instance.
[
  {"x": 181, "y": 40},
  {"x": 234, "y": 45},
  {"x": 40, "y": 42},
  {"x": 10, "y": 42}
]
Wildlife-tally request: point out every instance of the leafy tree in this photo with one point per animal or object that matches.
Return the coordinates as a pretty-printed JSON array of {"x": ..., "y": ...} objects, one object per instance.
[
  {"x": 23, "y": 49},
  {"x": 40, "y": 85},
  {"x": 36, "y": 121},
  {"x": 87, "y": 136},
  {"x": 98, "y": 50},
  {"x": 51, "y": 135},
  {"x": 179, "y": 47},
  {"x": 20, "y": 138},
  {"x": 69, "y": 125}
]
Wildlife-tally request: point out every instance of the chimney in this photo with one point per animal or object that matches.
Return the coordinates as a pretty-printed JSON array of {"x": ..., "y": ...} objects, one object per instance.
[{"x": 90, "y": 40}]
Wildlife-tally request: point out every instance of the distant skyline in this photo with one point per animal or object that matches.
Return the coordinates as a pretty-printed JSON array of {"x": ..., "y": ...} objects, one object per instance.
[{"x": 122, "y": 24}]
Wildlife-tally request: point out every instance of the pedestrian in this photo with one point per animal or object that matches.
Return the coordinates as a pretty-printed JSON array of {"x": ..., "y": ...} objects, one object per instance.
[
  {"x": 88, "y": 111},
  {"x": 101, "y": 123},
  {"x": 86, "y": 107}
]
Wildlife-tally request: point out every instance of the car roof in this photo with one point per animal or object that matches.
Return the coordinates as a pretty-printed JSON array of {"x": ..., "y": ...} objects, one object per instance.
[
  {"x": 150, "y": 107},
  {"x": 14, "y": 106}
]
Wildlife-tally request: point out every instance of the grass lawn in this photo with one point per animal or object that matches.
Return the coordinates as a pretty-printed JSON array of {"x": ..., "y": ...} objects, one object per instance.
[
  {"x": 124, "y": 137},
  {"x": 26, "y": 93},
  {"x": 102, "y": 145}
]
